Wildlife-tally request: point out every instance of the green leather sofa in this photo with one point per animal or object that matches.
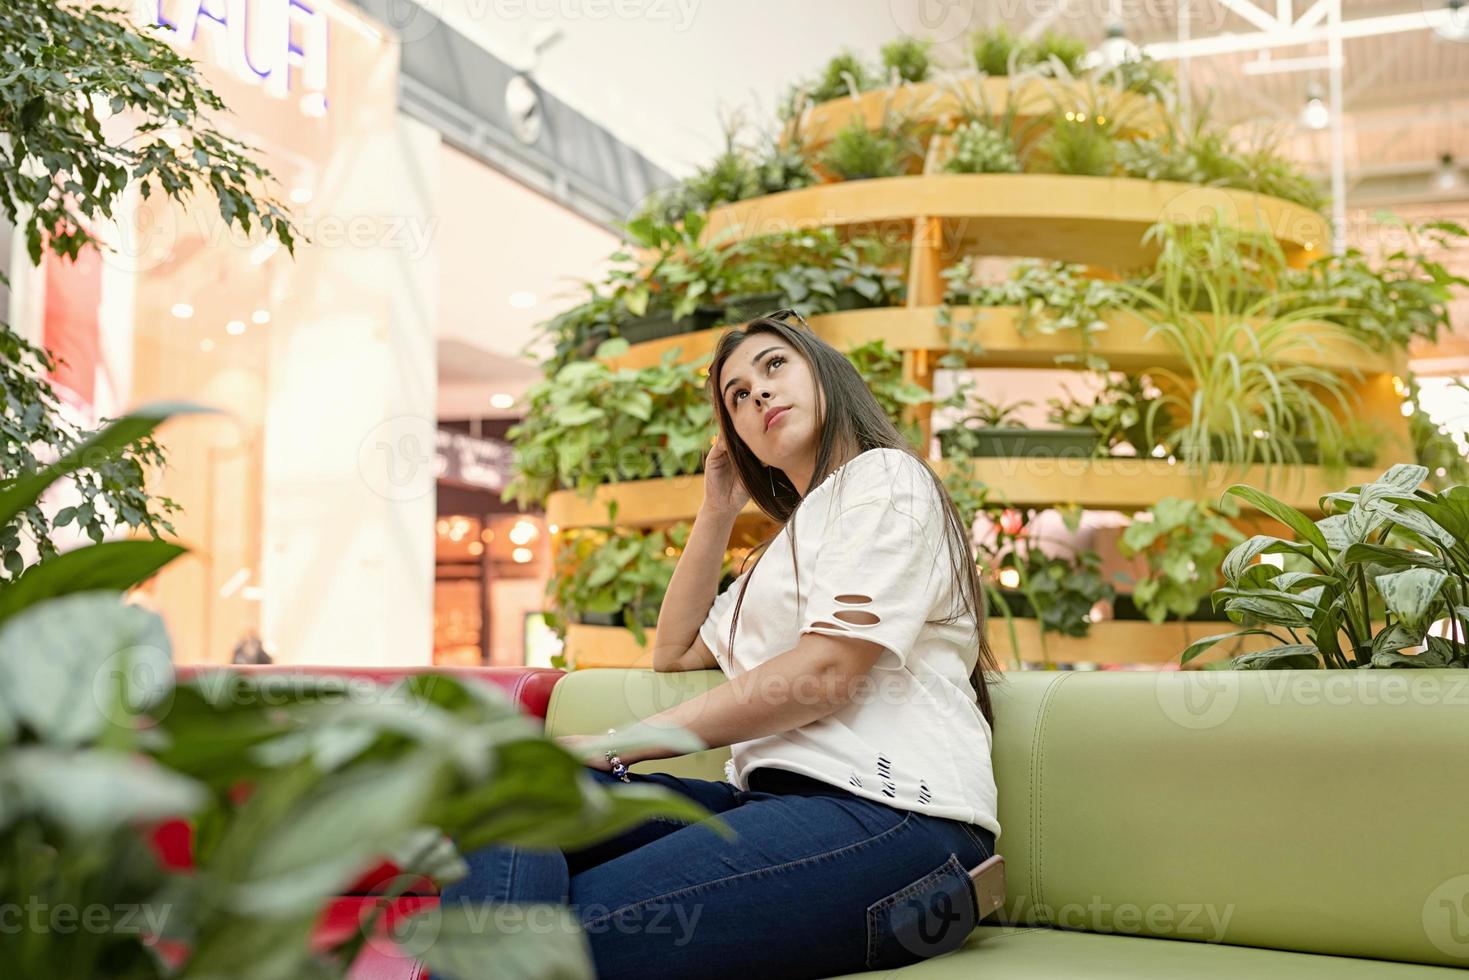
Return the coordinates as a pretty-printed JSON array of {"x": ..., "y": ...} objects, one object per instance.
[{"x": 1194, "y": 824}]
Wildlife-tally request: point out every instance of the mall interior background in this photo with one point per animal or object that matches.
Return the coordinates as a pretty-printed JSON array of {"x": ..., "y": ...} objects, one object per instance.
[{"x": 459, "y": 166}]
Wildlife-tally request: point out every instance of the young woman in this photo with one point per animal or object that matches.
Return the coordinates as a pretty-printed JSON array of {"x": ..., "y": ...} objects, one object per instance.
[{"x": 860, "y": 788}]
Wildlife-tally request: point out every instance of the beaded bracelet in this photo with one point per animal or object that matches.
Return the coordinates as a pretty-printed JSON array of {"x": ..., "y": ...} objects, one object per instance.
[{"x": 618, "y": 769}]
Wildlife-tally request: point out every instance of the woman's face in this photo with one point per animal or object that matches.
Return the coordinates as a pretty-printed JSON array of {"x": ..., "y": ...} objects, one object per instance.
[{"x": 772, "y": 398}]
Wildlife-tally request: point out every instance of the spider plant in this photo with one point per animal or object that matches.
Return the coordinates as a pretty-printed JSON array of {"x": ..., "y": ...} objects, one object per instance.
[
  {"x": 1244, "y": 396},
  {"x": 859, "y": 153}
]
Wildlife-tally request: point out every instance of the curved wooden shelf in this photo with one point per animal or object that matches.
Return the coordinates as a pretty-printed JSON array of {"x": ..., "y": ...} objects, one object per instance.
[
  {"x": 997, "y": 329},
  {"x": 1107, "y": 642},
  {"x": 929, "y": 104},
  {"x": 1092, "y": 220},
  {"x": 1122, "y": 483}
]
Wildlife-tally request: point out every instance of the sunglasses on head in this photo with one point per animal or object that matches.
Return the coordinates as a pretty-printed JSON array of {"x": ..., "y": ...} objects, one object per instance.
[{"x": 786, "y": 314}]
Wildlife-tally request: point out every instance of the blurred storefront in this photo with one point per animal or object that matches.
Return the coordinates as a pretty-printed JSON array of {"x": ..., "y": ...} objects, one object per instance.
[{"x": 310, "y": 499}]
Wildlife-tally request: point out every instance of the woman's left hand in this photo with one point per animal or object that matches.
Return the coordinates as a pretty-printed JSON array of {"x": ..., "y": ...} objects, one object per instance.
[{"x": 577, "y": 746}]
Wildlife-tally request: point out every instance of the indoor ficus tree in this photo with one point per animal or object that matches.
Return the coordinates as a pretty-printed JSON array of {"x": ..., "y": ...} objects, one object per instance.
[{"x": 64, "y": 69}]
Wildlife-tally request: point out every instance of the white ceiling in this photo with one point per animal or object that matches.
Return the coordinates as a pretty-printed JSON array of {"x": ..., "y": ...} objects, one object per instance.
[{"x": 660, "y": 78}]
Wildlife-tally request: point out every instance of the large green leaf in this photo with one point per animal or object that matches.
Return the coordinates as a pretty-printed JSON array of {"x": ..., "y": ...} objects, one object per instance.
[
  {"x": 349, "y": 819},
  {"x": 1291, "y": 656},
  {"x": 1242, "y": 554},
  {"x": 1395, "y": 637},
  {"x": 26, "y": 490},
  {"x": 1412, "y": 595},
  {"x": 1449, "y": 510},
  {"x": 110, "y": 566},
  {"x": 530, "y": 943},
  {"x": 1440, "y": 653},
  {"x": 71, "y": 667},
  {"x": 1202, "y": 644},
  {"x": 92, "y": 791},
  {"x": 1285, "y": 514},
  {"x": 1274, "y": 611},
  {"x": 1388, "y": 557}
]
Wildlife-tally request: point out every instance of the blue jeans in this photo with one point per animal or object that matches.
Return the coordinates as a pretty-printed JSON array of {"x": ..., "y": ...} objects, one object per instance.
[{"x": 817, "y": 883}]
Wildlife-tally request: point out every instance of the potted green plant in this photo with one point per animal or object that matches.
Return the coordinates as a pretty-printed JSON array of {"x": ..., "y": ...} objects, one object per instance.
[
  {"x": 1058, "y": 592},
  {"x": 979, "y": 148},
  {"x": 994, "y": 433},
  {"x": 908, "y": 59},
  {"x": 1201, "y": 152},
  {"x": 1245, "y": 395},
  {"x": 1406, "y": 296},
  {"x": 1183, "y": 542},
  {"x": 815, "y": 271},
  {"x": 1080, "y": 145},
  {"x": 1385, "y": 547},
  {"x": 859, "y": 153},
  {"x": 1051, "y": 298},
  {"x": 1126, "y": 409},
  {"x": 589, "y": 425},
  {"x": 844, "y": 75},
  {"x": 998, "y": 51},
  {"x": 882, "y": 369},
  {"x": 294, "y": 785},
  {"x": 608, "y": 577},
  {"x": 675, "y": 293}
]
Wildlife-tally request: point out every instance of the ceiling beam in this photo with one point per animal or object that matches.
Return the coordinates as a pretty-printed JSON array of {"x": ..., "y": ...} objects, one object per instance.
[
  {"x": 1217, "y": 44},
  {"x": 1253, "y": 14}
]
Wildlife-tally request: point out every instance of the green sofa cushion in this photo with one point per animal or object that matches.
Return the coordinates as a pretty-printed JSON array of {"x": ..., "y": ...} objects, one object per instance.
[
  {"x": 1315, "y": 811},
  {"x": 1028, "y": 953}
]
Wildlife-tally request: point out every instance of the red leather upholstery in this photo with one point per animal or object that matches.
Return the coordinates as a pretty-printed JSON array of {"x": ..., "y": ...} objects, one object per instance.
[
  {"x": 528, "y": 687},
  {"x": 380, "y": 958}
]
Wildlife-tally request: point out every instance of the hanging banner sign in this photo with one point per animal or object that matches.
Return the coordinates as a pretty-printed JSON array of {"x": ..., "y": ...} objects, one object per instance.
[{"x": 280, "y": 45}]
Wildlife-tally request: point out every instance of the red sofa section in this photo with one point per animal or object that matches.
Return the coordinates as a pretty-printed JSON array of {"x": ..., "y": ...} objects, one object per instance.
[{"x": 528, "y": 687}]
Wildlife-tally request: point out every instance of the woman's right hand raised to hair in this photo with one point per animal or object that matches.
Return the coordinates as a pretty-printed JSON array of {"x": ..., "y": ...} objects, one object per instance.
[{"x": 724, "y": 492}]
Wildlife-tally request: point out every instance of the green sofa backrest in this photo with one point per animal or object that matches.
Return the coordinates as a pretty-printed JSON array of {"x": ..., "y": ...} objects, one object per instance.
[{"x": 1319, "y": 811}]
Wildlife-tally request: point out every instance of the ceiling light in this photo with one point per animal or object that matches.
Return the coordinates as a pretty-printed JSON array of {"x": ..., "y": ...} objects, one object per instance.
[
  {"x": 522, "y": 299},
  {"x": 1315, "y": 115},
  {"x": 502, "y": 400},
  {"x": 260, "y": 316},
  {"x": 522, "y": 555},
  {"x": 301, "y": 195},
  {"x": 524, "y": 532},
  {"x": 183, "y": 311},
  {"x": 1456, "y": 28},
  {"x": 235, "y": 327},
  {"x": 1447, "y": 178},
  {"x": 1114, "y": 49},
  {"x": 475, "y": 548}
]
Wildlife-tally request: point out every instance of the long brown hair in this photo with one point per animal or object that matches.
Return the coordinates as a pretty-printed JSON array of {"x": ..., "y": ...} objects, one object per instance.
[{"x": 852, "y": 418}]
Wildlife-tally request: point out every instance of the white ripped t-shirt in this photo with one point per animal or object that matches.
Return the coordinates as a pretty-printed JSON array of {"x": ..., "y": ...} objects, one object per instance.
[{"x": 870, "y": 538}]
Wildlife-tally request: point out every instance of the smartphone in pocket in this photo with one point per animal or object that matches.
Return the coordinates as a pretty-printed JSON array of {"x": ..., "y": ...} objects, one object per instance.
[{"x": 989, "y": 886}]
